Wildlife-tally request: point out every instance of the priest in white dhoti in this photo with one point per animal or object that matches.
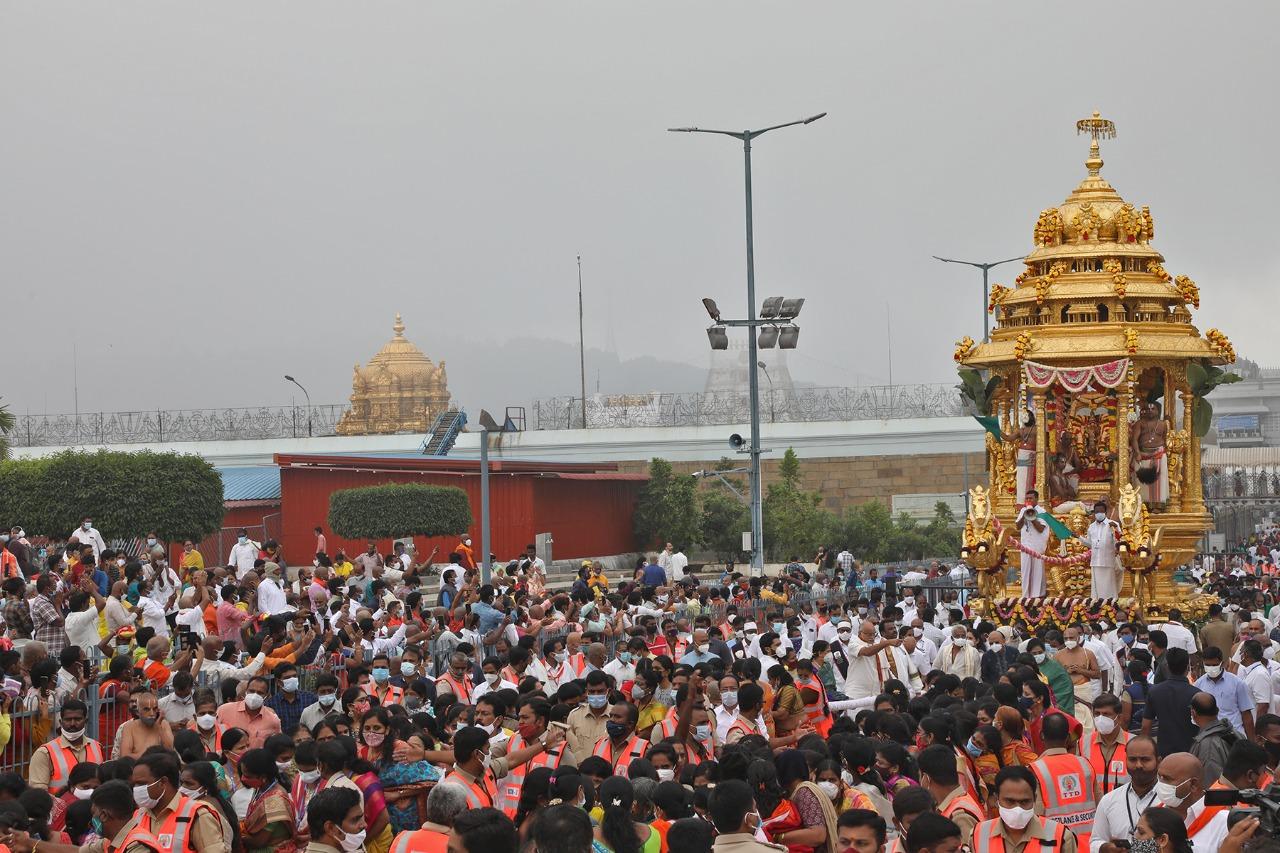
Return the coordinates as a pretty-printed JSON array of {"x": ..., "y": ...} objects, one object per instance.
[
  {"x": 1033, "y": 533},
  {"x": 1103, "y": 537}
]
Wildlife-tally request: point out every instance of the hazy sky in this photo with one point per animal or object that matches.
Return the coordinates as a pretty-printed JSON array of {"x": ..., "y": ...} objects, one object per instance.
[{"x": 208, "y": 195}]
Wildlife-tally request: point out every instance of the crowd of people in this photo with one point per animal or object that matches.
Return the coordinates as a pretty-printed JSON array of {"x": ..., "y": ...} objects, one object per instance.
[{"x": 362, "y": 706}]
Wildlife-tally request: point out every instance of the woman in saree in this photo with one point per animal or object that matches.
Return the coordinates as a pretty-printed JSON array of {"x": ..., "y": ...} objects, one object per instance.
[
  {"x": 404, "y": 782},
  {"x": 364, "y": 774},
  {"x": 804, "y": 819},
  {"x": 268, "y": 826}
]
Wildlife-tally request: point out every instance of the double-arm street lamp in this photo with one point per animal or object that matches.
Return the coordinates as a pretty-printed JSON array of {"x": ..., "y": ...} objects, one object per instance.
[
  {"x": 986, "y": 288},
  {"x": 775, "y": 317}
]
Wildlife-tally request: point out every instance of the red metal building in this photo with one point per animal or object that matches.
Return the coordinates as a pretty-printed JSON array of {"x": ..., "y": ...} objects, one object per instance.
[{"x": 587, "y": 507}]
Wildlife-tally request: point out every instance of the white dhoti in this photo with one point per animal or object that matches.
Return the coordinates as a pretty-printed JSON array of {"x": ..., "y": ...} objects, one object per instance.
[
  {"x": 1033, "y": 580},
  {"x": 1150, "y": 464},
  {"x": 1106, "y": 581},
  {"x": 1085, "y": 694},
  {"x": 1026, "y": 473}
]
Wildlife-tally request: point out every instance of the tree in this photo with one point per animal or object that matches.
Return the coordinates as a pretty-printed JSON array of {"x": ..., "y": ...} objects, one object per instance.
[
  {"x": 667, "y": 509},
  {"x": 399, "y": 509},
  {"x": 7, "y": 424},
  {"x": 724, "y": 519},
  {"x": 795, "y": 523},
  {"x": 179, "y": 496}
]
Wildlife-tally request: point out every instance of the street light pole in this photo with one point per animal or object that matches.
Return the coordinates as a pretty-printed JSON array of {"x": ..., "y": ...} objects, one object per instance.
[
  {"x": 308, "y": 396},
  {"x": 753, "y": 376},
  {"x": 772, "y": 414},
  {"x": 986, "y": 288},
  {"x": 582, "y": 348}
]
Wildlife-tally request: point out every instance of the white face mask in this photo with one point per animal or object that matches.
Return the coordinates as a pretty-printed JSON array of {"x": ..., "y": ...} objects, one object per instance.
[
  {"x": 491, "y": 678},
  {"x": 352, "y": 841},
  {"x": 1016, "y": 818},
  {"x": 666, "y": 774},
  {"x": 917, "y": 632},
  {"x": 253, "y": 701},
  {"x": 1039, "y": 659},
  {"x": 1104, "y": 725},
  {"x": 1071, "y": 644},
  {"x": 996, "y": 647},
  {"x": 143, "y": 799},
  {"x": 960, "y": 642},
  {"x": 1213, "y": 671},
  {"x": 191, "y": 793},
  {"x": 83, "y": 793},
  {"x": 1100, "y": 516},
  {"x": 831, "y": 789},
  {"x": 309, "y": 777},
  {"x": 1168, "y": 794}
]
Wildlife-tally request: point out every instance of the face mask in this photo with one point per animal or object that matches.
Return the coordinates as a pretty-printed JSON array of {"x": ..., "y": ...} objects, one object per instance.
[
  {"x": 143, "y": 799},
  {"x": 729, "y": 698},
  {"x": 624, "y": 657},
  {"x": 120, "y": 563},
  {"x": 151, "y": 721},
  {"x": 1039, "y": 658},
  {"x": 1016, "y": 818},
  {"x": 491, "y": 678},
  {"x": 381, "y": 674},
  {"x": 1104, "y": 725},
  {"x": 309, "y": 777},
  {"x": 327, "y": 699},
  {"x": 702, "y": 732},
  {"x": 960, "y": 642},
  {"x": 1026, "y": 702},
  {"x": 666, "y": 774},
  {"x": 73, "y": 734},
  {"x": 831, "y": 789},
  {"x": 244, "y": 539},
  {"x": 751, "y": 635},
  {"x": 638, "y": 693},
  {"x": 704, "y": 648},
  {"x": 1100, "y": 516},
  {"x": 374, "y": 739},
  {"x": 862, "y": 611},
  {"x": 1168, "y": 794},
  {"x": 407, "y": 669},
  {"x": 597, "y": 700},
  {"x": 83, "y": 793},
  {"x": 996, "y": 647},
  {"x": 96, "y": 825},
  {"x": 290, "y": 685},
  {"x": 206, "y": 721},
  {"x": 87, "y": 525},
  {"x": 1127, "y": 639},
  {"x": 779, "y": 628},
  {"x": 283, "y": 766},
  {"x": 1213, "y": 671},
  {"x": 253, "y": 701},
  {"x": 561, "y": 657},
  {"x": 617, "y": 731},
  {"x": 352, "y": 841},
  {"x": 1143, "y": 845},
  {"x": 151, "y": 542},
  {"x": 1071, "y": 644}
]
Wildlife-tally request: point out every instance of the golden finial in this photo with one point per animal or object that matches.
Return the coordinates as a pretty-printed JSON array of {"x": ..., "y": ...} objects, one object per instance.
[
  {"x": 398, "y": 328},
  {"x": 1099, "y": 128}
]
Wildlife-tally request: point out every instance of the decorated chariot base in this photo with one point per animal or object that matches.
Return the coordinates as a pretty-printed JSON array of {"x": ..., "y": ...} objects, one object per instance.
[{"x": 1092, "y": 392}]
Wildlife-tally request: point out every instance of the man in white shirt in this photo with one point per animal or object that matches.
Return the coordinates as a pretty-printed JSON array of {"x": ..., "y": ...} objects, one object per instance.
[
  {"x": 271, "y": 597},
  {"x": 1256, "y": 675},
  {"x": 89, "y": 535},
  {"x": 179, "y": 707},
  {"x": 493, "y": 680},
  {"x": 959, "y": 657},
  {"x": 1033, "y": 533},
  {"x": 1118, "y": 810},
  {"x": 1179, "y": 636},
  {"x": 243, "y": 554},
  {"x": 679, "y": 562},
  {"x": 1106, "y": 662},
  {"x": 82, "y": 622},
  {"x": 866, "y": 676},
  {"x": 1102, "y": 537},
  {"x": 664, "y": 561},
  {"x": 215, "y": 670},
  {"x": 1184, "y": 772},
  {"x": 116, "y": 614}
]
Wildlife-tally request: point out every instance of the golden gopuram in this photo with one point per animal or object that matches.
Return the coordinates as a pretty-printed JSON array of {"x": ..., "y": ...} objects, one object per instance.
[
  {"x": 1091, "y": 388},
  {"x": 399, "y": 390}
]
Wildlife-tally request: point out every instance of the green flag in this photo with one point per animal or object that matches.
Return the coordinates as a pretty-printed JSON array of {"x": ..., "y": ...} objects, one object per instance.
[
  {"x": 1059, "y": 529},
  {"x": 991, "y": 424}
]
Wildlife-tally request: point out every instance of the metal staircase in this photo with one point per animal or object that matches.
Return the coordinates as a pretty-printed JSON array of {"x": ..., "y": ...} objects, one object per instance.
[{"x": 443, "y": 433}]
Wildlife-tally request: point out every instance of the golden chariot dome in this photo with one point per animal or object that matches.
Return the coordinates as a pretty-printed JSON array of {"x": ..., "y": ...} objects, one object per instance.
[{"x": 399, "y": 390}]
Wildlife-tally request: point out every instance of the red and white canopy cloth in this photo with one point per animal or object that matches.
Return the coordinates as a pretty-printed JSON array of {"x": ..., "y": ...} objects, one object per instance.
[{"x": 1075, "y": 379}]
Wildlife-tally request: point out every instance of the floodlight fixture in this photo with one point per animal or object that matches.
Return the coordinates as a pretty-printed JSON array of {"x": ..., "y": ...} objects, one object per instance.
[
  {"x": 789, "y": 337},
  {"x": 768, "y": 337},
  {"x": 791, "y": 308},
  {"x": 710, "y": 305},
  {"x": 771, "y": 307},
  {"x": 719, "y": 337}
]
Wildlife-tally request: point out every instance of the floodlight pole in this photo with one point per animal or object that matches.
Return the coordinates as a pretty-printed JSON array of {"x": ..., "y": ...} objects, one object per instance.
[
  {"x": 486, "y": 570},
  {"x": 753, "y": 375}
]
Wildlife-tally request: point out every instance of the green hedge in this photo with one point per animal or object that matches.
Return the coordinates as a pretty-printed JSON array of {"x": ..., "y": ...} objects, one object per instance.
[
  {"x": 178, "y": 496},
  {"x": 399, "y": 509}
]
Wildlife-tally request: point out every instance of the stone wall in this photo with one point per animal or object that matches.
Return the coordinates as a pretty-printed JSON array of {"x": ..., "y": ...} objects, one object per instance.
[{"x": 852, "y": 480}]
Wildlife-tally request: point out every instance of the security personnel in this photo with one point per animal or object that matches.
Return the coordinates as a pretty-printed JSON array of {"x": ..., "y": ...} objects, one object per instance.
[
  {"x": 180, "y": 824},
  {"x": 457, "y": 680},
  {"x": 480, "y": 776},
  {"x": 1067, "y": 783},
  {"x": 51, "y": 763},
  {"x": 940, "y": 775},
  {"x": 1105, "y": 746},
  {"x": 814, "y": 695},
  {"x": 1018, "y": 827},
  {"x": 621, "y": 745},
  {"x": 534, "y": 717}
]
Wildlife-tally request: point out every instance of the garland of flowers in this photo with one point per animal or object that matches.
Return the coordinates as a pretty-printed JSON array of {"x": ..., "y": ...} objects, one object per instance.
[
  {"x": 1041, "y": 612},
  {"x": 1077, "y": 560}
]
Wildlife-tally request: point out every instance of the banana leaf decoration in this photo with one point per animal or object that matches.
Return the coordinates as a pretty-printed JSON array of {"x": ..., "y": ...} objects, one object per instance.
[
  {"x": 979, "y": 392},
  {"x": 1203, "y": 378}
]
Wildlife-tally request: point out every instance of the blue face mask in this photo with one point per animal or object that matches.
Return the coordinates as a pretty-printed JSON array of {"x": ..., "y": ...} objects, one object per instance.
[
  {"x": 973, "y": 750},
  {"x": 702, "y": 732},
  {"x": 381, "y": 674},
  {"x": 624, "y": 657},
  {"x": 1026, "y": 702},
  {"x": 597, "y": 700},
  {"x": 96, "y": 825},
  {"x": 617, "y": 731},
  {"x": 1127, "y": 639},
  {"x": 780, "y": 629}
]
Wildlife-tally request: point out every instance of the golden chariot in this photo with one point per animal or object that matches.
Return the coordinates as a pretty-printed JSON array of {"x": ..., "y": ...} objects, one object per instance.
[{"x": 1091, "y": 388}]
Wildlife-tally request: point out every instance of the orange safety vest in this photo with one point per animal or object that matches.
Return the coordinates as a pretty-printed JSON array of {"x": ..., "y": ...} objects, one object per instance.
[
  {"x": 742, "y": 726},
  {"x": 514, "y": 780},
  {"x": 987, "y": 840},
  {"x": 1067, "y": 786},
  {"x": 965, "y": 803},
  {"x": 392, "y": 695},
  {"x": 816, "y": 713},
  {"x": 509, "y": 674},
  {"x": 478, "y": 795},
  {"x": 460, "y": 689},
  {"x": 576, "y": 663},
  {"x": 665, "y": 728},
  {"x": 1110, "y": 774},
  {"x": 218, "y": 730},
  {"x": 420, "y": 841},
  {"x": 9, "y": 565},
  {"x": 138, "y": 835},
  {"x": 157, "y": 673},
  {"x": 175, "y": 833},
  {"x": 620, "y": 759},
  {"x": 62, "y": 759}
]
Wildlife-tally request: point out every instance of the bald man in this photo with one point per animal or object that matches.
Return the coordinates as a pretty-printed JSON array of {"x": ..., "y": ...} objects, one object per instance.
[{"x": 1180, "y": 786}]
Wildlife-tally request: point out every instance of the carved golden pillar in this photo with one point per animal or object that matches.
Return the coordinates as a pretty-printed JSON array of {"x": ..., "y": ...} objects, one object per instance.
[
  {"x": 1042, "y": 445},
  {"x": 1192, "y": 484},
  {"x": 1124, "y": 404}
]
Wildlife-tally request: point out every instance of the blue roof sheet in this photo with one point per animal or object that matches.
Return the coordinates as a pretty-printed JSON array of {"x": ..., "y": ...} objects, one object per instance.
[{"x": 250, "y": 483}]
